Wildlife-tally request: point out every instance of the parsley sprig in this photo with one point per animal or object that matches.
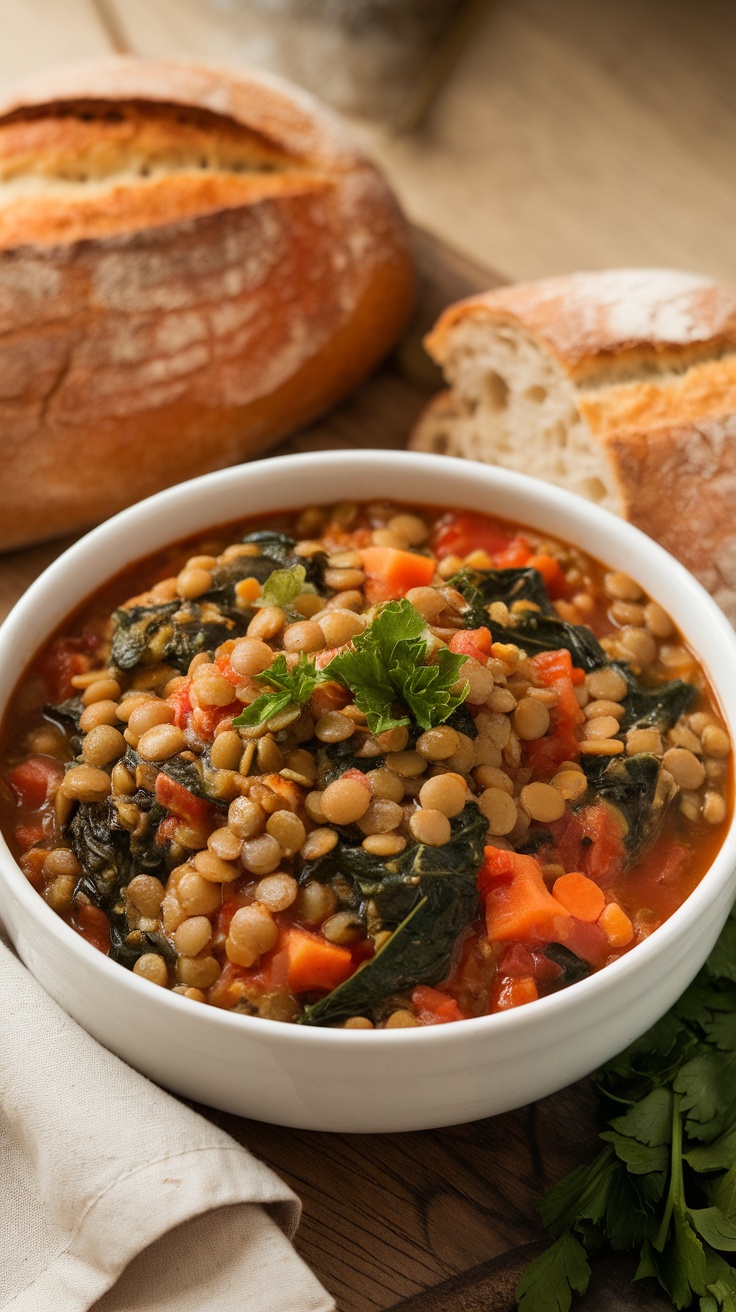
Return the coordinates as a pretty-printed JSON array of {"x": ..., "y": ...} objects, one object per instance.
[
  {"x": 664, "y": 1185},
  {"x": 386, "y": 664},
  {"x": 291, "y": 686}
]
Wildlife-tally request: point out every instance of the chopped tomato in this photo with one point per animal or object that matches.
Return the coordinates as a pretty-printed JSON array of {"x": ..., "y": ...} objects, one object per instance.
[
  {"x": 433, "y": 1007},
  {"x": 472, "y": 642},
  {"x": 554, "y": 669},
  {"x": 587, "y": 941},
  {"x": 513, "y": 556},
  {"x": 35, "y": 780},
  {"x": 591, "y": 840},
  {"x": 552, "y": 573},
  {"x": 458, "y": 535},
  {"x": 205, "y": 719},
  {"x": 27, "y": 836},
  {"x": 181, "y": 702},
  {"x": 222, "y": 661},
  {"x": 178, "y": 799},
  {"x": 93, "y": 925},
  {"x": 65, "y": 658},
  {"x": 507, "y": 993}
]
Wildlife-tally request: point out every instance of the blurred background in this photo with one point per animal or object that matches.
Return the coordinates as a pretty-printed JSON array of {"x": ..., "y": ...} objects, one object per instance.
[{"x": 538, "y": 137}]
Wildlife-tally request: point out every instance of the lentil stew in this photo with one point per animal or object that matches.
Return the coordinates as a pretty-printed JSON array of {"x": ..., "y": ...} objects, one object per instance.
[{"x": 368, "y": 766}]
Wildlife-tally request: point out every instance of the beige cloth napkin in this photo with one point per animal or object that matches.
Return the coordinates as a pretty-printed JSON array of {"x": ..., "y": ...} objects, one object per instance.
[{"x": 114, "y": 1196}]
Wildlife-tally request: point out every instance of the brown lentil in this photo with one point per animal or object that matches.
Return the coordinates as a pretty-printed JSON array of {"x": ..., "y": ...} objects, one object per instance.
[
  {"x": 266, "y": 623},
  {"x": 339, "y": 625},
  {"x": 602, "y": 726},
  {"x": 408, "y": 765},
  {"x": 161, "y": 742},
  {"x": 530, "y": 719},
  {"x": 570, "y": 783},
  {"x": 146, "y": 893},
  {"x": 277, "y": 892},
  {"x": 430, "y": 826},
  {"x": 401, "y": 1020},
  {"x": 261, "y": 855},
  {"x": 658, "y": 621},
  {"x": 152, "y": 967},
  {"x": 438, "y": 744},
  {"x": 357, "y": 1023},
  {"x": 192, "y": 583},
  {"x": 225, "y": 844},
  {"x": 606, "y": 683},
  {"x": 102, "y": 712},
  {"x": 332, "y": 727},
  {"x": 288, "y": 830},
  {"x": 446, "y": 793},
  {"x": 192, "y": 936},
  {"x": 198, "y": 972},
  {"x": 314, "y": 902},
  {"x": 102, "y": 745},
  {"x": 318, "y": 843},
  {"x": 602, "y": 747},
  {"x": 644, "y": 740},
  {"x": 500, "y": 811},
  {"x": 345, "y": 800},
  {"x": 252, "y": 932},
  {"x": 715, "y": 741},
  {"x": 686, "y": 770},
  {"x": 601, "y": 706},
  {"x": 102, "y": 690},
  {"x": 61, "y": 861},
  {"x": 342, "y": 928},
  {"x": 245, "y": 818},
  {"x": 384, "y": 844},
  {"x": 542, "y": 802},
  {"x": 382, "y": 816},
  {"x": 619, "y": 586},
  {"x": 196, "y": 896},
  {"x": 384, "y": 783},
  {"x": 86, "y": 783}
]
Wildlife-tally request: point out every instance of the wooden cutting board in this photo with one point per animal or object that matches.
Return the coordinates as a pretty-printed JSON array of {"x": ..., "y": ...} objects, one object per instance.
[{"x": 443, "y": 1220}]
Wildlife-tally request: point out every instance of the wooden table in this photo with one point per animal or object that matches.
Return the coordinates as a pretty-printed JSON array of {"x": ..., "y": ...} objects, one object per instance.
[{"x": 439, "y": 1221}]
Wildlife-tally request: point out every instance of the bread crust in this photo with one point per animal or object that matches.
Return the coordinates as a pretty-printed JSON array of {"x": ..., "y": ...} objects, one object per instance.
[
  {"x": 601, "y": 326},
  {"x": 652, "y": 377},
  {"x": 166, "y": 323}
]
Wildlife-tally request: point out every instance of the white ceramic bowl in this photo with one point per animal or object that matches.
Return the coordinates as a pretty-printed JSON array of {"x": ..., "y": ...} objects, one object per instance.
[{"x": 384, "y": 1080}]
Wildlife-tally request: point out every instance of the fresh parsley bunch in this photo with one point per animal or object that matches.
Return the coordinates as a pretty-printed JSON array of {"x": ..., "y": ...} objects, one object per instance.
[
  {"x": 664, "y": 1185},
  {"x": 384, "y": 665}
]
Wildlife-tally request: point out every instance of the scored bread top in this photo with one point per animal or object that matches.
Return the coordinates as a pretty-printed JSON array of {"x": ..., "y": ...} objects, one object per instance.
[
  {"x": 604, "y": 326},
  {"x": 124, "y": 144}
]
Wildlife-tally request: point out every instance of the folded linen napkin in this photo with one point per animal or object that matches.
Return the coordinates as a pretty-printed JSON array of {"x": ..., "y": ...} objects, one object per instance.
[{"x": 117, "y": 1197}]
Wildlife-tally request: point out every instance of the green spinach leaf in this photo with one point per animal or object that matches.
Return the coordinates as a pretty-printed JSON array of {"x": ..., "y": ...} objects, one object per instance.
[{"x": 434, "y": 890}]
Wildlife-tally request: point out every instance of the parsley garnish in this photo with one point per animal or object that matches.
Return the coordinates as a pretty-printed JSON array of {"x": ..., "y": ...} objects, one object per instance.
[
  {"x": 283, "y": 586},
  {"x": 386, "y": 664},
  {"x": 664, "y": 1186},
  {"x": 291, "y": 686}
]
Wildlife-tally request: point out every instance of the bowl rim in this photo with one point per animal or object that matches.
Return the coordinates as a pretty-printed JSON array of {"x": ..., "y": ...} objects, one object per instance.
[{"x": 587, "y": 518}]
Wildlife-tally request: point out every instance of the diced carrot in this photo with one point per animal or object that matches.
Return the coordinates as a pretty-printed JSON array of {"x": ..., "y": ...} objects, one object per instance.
[
  {"x": 93, "y": 925},
  {"x": 390, "y": 573},
  {"x": 580, "y": 895},
  {"x": 551, "y": 571},
  {"x": 616, "y": 925},
  {"x": 313, "y": 963},
  {"x": 34, "y": 780},
  {"x": 518, "y": 903},
  {"x": 514, "y": 993},
  {"x": 433, "y": 1007},
  {"x": 329, "y": 697},
  {"x": 247, "y": 591},
  {"x": 472, "y": 642}
]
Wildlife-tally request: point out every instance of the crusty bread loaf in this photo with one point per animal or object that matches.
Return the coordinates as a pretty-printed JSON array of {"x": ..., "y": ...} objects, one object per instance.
[
  {"x": 619, "y": 385},
  {"x": 193, "y": 262}
]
